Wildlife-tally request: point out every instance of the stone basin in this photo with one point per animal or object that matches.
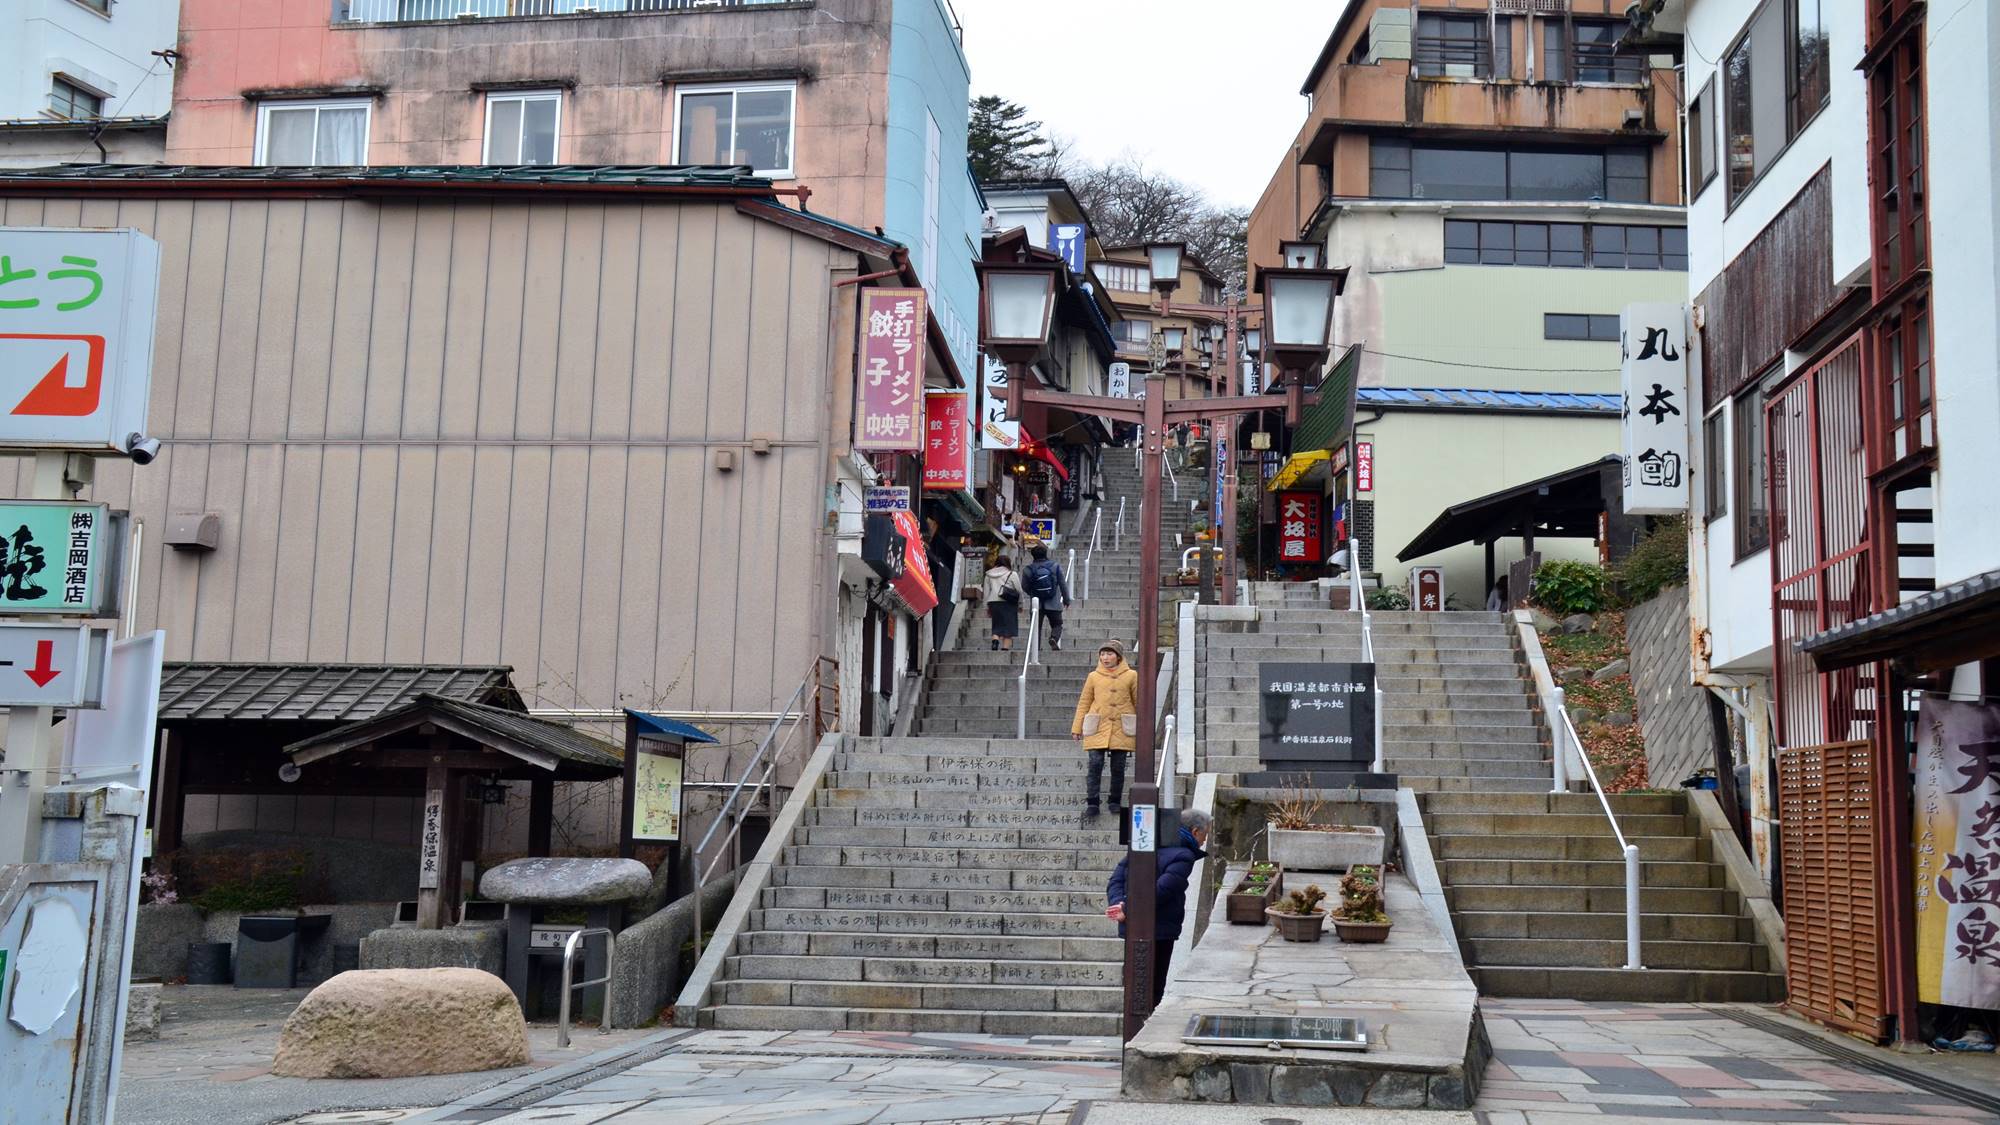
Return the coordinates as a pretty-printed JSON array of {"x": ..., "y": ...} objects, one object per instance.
[{"x": 547, "y": 881}]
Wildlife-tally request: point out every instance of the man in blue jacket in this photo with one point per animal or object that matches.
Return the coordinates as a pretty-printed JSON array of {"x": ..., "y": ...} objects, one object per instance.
[{"x": 1176, "y": 862}]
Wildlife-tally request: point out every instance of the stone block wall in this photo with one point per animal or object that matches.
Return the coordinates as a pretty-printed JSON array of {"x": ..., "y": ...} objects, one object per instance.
[{"x": 1673, "y": 712}]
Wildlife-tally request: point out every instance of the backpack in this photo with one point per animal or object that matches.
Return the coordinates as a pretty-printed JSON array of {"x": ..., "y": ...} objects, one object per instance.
[{"x": 1042, "y": 580}]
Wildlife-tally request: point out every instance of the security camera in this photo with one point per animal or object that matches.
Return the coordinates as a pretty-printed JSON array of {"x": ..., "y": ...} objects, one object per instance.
[{"x": 141, "y": 449}]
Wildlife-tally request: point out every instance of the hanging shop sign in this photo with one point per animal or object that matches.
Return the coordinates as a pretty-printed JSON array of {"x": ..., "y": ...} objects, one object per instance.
[
  {"x": 1067, "y": 240},
  {"x": 914, "y": 586},
  {"x": 1118, "y": 380},
  {"x": 57, "y": 557},
  {"x": 76, "y": 337},
  {"x": 947, "y": 442},
  {"x": 881, "y": 498},
  {"x": 1041, "y": 527},
  {"x": 1957, "y": 853},
  {"x": 1655, "y": 423},
  {"x": 1316, "y": 716},
  {"x": 892, "y": 371},
  {"x": 996, "y": 430},
  {"x": 1224, "y": 471},
  {"x": 1364, "y": 466},
  {"x": 1298, "y": 527}
]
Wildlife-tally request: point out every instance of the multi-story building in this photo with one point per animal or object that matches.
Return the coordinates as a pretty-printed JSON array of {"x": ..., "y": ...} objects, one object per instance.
[
  {"x": 86, "y": 81},
  {"x": 1499, "y": 181},
  {"x": 1190, "y": 344},
  {"x": 1845, "y": 557},
  {"x": 865, "y": 101}
]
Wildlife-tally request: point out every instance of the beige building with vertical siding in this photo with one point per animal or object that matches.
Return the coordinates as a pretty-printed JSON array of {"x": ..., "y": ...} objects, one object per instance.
[{"x": 585, "y": 427}]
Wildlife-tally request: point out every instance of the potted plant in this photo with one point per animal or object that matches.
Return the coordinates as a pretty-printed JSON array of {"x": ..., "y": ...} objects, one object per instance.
[
  {"x": 1299, "y": 915},
  {"x": 1254, "y": 894},
  {"x": 1300, "y": 843},
  {"x": 1361, "y": 918}
]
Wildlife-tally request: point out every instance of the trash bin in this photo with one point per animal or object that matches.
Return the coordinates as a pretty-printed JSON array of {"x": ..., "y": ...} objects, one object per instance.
[
  {"x": 268, "y": 947},
  {"x": 208, "y": 962}
]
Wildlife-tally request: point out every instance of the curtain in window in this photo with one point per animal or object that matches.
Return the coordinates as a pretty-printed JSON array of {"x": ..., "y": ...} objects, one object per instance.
[
  {"x": 343, "y": 137},
  {"x": 288, "y": 136}
]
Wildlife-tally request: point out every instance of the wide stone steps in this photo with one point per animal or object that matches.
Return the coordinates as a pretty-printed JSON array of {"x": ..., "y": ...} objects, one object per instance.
[
  {"x": 942, "y": 878},
  {"x": 850, "y": 944},
  {"x": 1574, "y": 873},
  {"x": 1649, "y": 985},
  {"x": 1508, "y": 898},
  {"x": 946, "y": 997},
  {"x": 1603, "y": 926},
  {"x": 1544, "y": 824},
  {"x": 1607, "y": 953},
  {"x": 906, "y": 898},
  {"x": 792, "y": 1017},
  {"x": 929, "y": 971},
  {"x": 1674, "y": 848}
]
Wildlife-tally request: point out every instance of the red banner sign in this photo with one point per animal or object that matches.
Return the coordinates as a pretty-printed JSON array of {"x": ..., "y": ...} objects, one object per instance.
[
  {"x": 1298, "y": 527},
  {"x": 891, "y": 403},
  {"x": 1364, "y": 466},
  {"x": 914, "y": 586},
  {"x": 947, "y": 441}
]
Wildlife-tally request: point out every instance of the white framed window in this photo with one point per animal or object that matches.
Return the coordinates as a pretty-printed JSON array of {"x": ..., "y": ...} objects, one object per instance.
[
  {"x": 750, "y": 124},
  {"x": 72, "y": 102},
  {"x": 522, "y": 127},
  {"x": 327, "y": 134}
]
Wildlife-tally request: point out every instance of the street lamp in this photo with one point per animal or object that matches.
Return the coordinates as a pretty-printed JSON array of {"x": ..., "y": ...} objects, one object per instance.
[
  {"x": 1253, "y": 342},
  {"x": 1165, "y": 260},
  {"x": 1301, "y": 255},
  {"x": 1298, "y": 315},
  {"x": 1017, "y": 303},
  {"x": 1174, "y": 339}
]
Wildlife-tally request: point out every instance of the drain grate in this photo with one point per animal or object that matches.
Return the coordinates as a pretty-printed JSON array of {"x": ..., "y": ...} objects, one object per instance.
[
  {"x": 543, "y": 1091},
  {"x": 1862, "y": 1060}
]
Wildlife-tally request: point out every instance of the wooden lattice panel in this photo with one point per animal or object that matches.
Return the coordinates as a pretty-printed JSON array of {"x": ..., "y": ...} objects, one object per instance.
[{"x": 1826, "y": 800}]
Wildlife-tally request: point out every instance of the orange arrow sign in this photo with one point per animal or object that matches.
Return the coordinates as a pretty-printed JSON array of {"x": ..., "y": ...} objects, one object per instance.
[{"x": 52, "y": 395}]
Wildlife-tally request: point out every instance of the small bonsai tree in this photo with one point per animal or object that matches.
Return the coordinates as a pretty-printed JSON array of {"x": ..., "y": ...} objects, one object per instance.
[
  {"x": 1361, "y": 896},
  {"x": 1302, "y": 902}
]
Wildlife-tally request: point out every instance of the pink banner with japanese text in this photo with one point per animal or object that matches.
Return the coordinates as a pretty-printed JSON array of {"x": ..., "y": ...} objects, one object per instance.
[
  {"x": 948, "y": 441},
  {"x": 891, "y": 402},
  {"x": 1956, "y": 787}
]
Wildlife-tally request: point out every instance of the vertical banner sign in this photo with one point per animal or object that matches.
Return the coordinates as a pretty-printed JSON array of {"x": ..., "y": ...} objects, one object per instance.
[
  {"x": 1222, "y": 475},
  {"x": 1298, "y": 527},
  {"x": 1653, "y": 339},
  {"x": 432, "y": 842},
  {"x": 1957, "y": 853},
  {"x": 1427, "y": 589},
  {"x": 996, "y": 430},
  {"x": 1364, "y": 466},
  {"x": 1067, "y": 240},
  {"x": 947, "y": 442},
  {"x": 892, "y": 370},
  {"x": 1069, "y": 494},
  {"x": 1118, "y": 380}
]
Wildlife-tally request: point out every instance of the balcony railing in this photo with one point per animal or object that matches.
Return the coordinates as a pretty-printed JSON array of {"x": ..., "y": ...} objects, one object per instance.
[{"x": 411, "y": 11}]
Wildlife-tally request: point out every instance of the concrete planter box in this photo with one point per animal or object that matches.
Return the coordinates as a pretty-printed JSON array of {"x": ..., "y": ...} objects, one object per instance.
[{"x": 1310, "y": 849}]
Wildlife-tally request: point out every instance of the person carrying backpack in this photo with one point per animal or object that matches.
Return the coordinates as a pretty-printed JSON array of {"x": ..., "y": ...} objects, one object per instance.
[
  {"x": 1002, "y": 591},
  {"x": 1045, "y": 582}
]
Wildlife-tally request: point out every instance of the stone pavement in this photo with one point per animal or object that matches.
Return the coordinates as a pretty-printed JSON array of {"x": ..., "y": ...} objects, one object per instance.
[{"x": 1554, "y": 1060}]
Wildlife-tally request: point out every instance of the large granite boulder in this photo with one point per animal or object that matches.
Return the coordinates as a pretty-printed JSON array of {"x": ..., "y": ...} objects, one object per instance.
[
  {"x": 566, "y": 882},
  {"x": 396, "y": 1023}
]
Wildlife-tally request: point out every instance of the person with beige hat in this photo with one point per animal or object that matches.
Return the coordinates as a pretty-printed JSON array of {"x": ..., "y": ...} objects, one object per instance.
[{"x": 1107, "y": 722}]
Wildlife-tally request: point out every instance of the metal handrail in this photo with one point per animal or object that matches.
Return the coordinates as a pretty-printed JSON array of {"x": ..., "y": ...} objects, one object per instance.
[
  {"x": 1069, "y": 573},
  {"x": 1168, "y": 464},
  {"x": 723, "y": 816},
  {"x": 571, "y": 944},
  {"x": 1567, "y": 729},
  {"x": 1359, "y": 600},
  {"x": 1170, "y": 797},
  {"x": 1096, "y": 532},
  {"x": 1021, "y": 681},
  {"x": 1118, "y": 529}
]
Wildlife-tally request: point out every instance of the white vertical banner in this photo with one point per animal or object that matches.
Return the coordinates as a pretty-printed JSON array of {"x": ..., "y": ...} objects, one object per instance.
[
  {"x": 1118, "y": 380},
  {"x": 1653, "y": 362},
  {"x": 996, "y": 430}
]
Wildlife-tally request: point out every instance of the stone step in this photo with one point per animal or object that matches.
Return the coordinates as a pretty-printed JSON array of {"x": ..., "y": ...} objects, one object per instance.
[
  {"x": 1624, "y": 804},
  {"x": 876, "y": 761},
  {"x": 1710, "y": 956},
  {"x": 1470, "y": 767},
  {"x": 1404, "y": 712},
  {"x": 1603, "y": 926},
  {"x": 941, "y": 781},
  {"x": 799, "y": 946},
  {"x": 928, "y": 970},
  {"x": 1634, "y": 986},
  {"x": 1025, "y": 820},
  {"x": 942, "y": 997},
  {"x": 1247, "y": 732},
  {"x": 934, "y": 922},
  {"x": 985, "y": 859},
  {"x": 1544, "y": 824},
  {"x": 1033, "y": 838},
  {"x": 987, "y": 746},
  {"x": 1574, "y": 873},
  {"x": 1504, "y": 679},
  {"x": 1434, "y": 783},
  {"x": 1675, "y": 848},
  {"x": 1301, "y": 636},
  {"x": 941, "y": 878},
  {"x": 910, "y": 898},
  {"x": 1591, "y": 900},
  {"x": 734, "y": 1017},
  {"x": 1038, "y": 726},
  {"x": 973, "y": 800}
]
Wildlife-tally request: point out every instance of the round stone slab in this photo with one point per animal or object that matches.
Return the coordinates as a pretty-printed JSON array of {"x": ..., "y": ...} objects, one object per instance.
[{"x": 566, "y": 882}]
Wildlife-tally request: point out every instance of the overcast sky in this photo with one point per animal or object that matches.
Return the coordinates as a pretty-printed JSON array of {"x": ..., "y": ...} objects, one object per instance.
[{"x": 1205, "y": 90}]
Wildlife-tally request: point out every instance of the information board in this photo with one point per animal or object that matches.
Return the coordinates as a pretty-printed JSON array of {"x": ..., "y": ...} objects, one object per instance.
[
  {"x": 656, "y": 791},
  {"x": 1316, "y": 716}
]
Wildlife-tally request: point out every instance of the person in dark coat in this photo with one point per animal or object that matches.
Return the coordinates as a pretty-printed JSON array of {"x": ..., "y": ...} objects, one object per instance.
[{"x": 1175, "y": 864}]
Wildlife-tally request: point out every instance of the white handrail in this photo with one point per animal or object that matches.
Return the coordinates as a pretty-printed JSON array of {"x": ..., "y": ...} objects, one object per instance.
[
  {"x": 1168, "y": 463},
  {"x": 1211, "y": 548},
  {"x": 1069, "y": 574},
  {"x": 1567, "y": 729},
  {"x": 1170, "y": 797},
  {"x": 1358, "y": 600},
  {"x": 1118, "y": 529},
  {"x": 1096, "y": 531},
  {"x": 1021, "y": 681}
]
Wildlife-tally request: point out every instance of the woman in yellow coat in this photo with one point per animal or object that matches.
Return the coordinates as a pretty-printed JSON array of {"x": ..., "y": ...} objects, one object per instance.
[{"x": 1107, "y": 722}]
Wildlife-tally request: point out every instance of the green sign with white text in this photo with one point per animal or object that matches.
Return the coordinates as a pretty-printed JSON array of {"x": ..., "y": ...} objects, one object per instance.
[{"x": 54, "y": 557}]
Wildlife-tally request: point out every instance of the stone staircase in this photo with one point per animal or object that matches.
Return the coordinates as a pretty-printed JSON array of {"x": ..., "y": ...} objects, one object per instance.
[{"x": 1536, "y": 885}]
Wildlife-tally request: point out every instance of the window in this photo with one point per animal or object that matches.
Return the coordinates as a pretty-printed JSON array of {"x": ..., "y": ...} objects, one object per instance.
[
  {"x": 1598, "y": 59},
  {"x": 1123, "y": 277},
  {"x": 97, "y": 5},
  {"x": 1715, "y": 466},
  {"x": 1598, "y": 327},
  {"x": 1565, "y": 245},
  {"x": 1753, "y": 502},
  {"x": 321, "y": 134},
  {"x": 1700, "y": 140},
  {"x": 1135, "y": 333},
  {"x": 1452, "y": 47},
  {"x": 1400, "y": 170},
  {"x": 1776, "y": 80},
  {"x": 72, "y": 102},
  {"x": 737, "y": 125},
  {"x": 521, "y": 128}
]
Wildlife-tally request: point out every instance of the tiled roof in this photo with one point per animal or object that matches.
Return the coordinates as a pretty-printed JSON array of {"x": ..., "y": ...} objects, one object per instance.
[
  {"x": 1468, "y": 398},
  {"x": 322, "y": 692},
  {"x": 509, "y": 732}
]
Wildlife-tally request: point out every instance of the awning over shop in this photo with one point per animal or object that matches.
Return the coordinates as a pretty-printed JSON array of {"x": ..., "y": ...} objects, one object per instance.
[
  {"x": 1940, "y": 629},
  {"x": 1564, "y": 505},
  {"x": 1297, "y": 467},
  {"x": 1040, "y": 451}
]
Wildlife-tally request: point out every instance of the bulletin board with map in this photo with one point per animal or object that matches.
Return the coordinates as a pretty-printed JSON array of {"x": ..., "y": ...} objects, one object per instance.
[{"x": 656, "y": 790}]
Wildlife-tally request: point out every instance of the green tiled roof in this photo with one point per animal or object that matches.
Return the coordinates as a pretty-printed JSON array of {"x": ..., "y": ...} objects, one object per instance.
[{"x": 1325, "y": 424}]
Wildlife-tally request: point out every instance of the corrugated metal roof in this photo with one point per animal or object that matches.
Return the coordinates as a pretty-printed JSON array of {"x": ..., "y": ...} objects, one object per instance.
[
  {"x": 322, "y": 692},
  {"x": 1325, "y": 424},
  {"x": 635, "y": 175},
  {"x": 1474, "y": 398},
  {"x": 661, "y": 724},
  {"x": 1905, "y": 632}
]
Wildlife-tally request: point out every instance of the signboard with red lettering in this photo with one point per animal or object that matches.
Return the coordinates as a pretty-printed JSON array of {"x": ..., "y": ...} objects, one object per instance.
[
  {"x": 76, "y": 337},
  {"x": 914, "y": 585},
  {"x": 1427, "y": 589},
  {"x": 947, "y": 442},
  {"x": 891, "y": 402},
  {"x": 1364, "y": 466},
  {"x": 1298, "y": 527}
]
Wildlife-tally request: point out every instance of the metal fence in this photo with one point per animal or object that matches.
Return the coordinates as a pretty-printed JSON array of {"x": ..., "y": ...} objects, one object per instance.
[{"x": 408, "y": 11}]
